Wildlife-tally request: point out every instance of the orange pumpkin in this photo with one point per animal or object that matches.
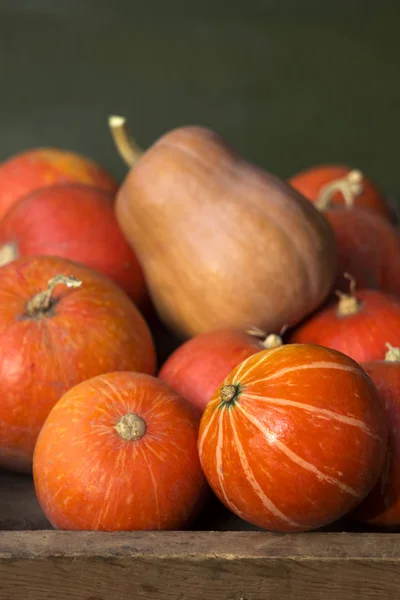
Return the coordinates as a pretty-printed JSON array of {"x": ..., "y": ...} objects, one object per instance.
[
  {"x": 37, "y": 168},
  {"x": 382, "y": 505},
  {"x": 341, "y": 182},
  {"x": 359, "y": 325},
  {"x": 76, "y": 222},
  {"x": 60, "y": 323},
  {"x": 294, "y": 438},
  {"x": 198, "y": 366},
  {"x": 118, "y": 452}
]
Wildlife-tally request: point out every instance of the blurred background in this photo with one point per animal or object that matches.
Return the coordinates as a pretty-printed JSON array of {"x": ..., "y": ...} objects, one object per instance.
[{"x": 290, "y": 83}]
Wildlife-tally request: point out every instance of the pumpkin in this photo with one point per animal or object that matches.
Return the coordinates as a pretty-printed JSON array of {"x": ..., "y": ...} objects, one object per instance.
[
  {"x": 359, "y": 325},
  {"x": 33, "y": 169},
  {"x": 294, "y": 438},
  {"x": 76, "y": 222},
  {"x": 382, "y": 505},
  {"x": 119, "y": 452},
  {"x": 217, "y": 237},
  {"x": 60, "y": 323},
  {"x": 343, "y": 185},
  {"x": 368, "y": 248},
  {"x": 374, "y": 265},
  {"x": 197, "y": 367}
]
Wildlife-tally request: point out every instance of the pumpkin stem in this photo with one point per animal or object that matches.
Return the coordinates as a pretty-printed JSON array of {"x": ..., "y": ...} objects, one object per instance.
[
  {"x": 393, "y": 354},
  {"x": 350, "y": 186},
  {"x": 8, "y": 253},
  {"x": 40, "y": 303},
  {"x": 127, "y": 148},
  {"x": 348, "y": 303},
  {"x": 131, "y": 427},
  {"x": 228, "y": 393},
  {"x": 267, "y": 341}
]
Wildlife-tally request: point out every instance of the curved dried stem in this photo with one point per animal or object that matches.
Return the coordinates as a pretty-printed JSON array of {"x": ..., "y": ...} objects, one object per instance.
[
  {"x": 127, "y": 148},
  {"x": 41, "y": 302},
  {"x": 350, "y": 186}
]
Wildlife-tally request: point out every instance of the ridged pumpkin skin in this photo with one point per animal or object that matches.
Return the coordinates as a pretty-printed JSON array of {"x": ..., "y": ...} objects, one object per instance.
[
  {"x": 382, "y": 505},
  {"x": 301, "y": 444},
  {"x": 88, "y": 477},
  {"x": 222, "y": 243},
  {"x": 28, "y": 171},
  {"x": 368, "y": 248},
  {"x": 311, "y": 181},
  {"x": 87, "y": 331},
  {"x": 362, "y": 335}
]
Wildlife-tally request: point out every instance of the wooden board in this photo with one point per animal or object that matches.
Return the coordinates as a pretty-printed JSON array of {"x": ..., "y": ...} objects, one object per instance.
[
  {"x": 198, "y": 566},
  {"x": 221, "y": 558}
]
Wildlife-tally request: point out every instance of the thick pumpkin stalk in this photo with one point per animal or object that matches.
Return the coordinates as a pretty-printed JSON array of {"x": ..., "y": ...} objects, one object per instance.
[
  {"x": 41, "y": 303},
  {"x": 131, "y": 427},
  {"x": 348, "y": 303},
  {"x": 126, "y": 145},
  {"x": 271, "y": 340},
  {"x": 349, "y": 186},
  {"x": 393, "y": 354}
]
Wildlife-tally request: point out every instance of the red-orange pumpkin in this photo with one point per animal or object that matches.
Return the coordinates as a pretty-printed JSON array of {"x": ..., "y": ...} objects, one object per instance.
[
  {"x": 54, "y": 333},
  {"x": 341, "y": 182},
  {"x": 359, "y": 325},
  {"x": 118, "y": 452},
  {"x": 368, "y": 248},
  {"x": 382, "y": 505},
  {"x": 197, "y": 368},
  {"x": 368, "y": 244},
  {"x": 294, "y": 438},
  {"x": 33, "y": 169},
  {"x": 76, "y": 222}
]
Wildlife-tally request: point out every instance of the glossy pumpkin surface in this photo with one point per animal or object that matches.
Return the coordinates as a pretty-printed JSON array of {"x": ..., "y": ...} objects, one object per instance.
[
  {"x": 294, "y": 439},
  {"x": 85, "y": 331},
  {"x": 91, "y": 473},
  {"x": 360, "y": 329}
]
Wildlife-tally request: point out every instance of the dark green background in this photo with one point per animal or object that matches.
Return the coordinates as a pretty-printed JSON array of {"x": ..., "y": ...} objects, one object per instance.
[{"x": 289, "y": 83}]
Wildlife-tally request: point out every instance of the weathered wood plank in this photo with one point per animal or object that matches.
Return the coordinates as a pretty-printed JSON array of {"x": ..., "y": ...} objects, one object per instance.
[{"x": 198, "y": 566}]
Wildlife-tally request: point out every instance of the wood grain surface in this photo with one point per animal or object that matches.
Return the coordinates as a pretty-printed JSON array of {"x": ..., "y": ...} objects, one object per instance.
[{"x": 198, "y": 566}]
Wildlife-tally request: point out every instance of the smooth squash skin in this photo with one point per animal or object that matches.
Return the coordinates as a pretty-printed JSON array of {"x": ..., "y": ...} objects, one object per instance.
[{"x": 222, "y": 242}]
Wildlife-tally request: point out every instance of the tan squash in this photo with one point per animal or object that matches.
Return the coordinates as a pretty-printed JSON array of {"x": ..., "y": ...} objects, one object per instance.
[{"x": 222, "y": 242}]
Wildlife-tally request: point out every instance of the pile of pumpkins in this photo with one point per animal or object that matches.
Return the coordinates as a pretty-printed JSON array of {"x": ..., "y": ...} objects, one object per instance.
[{"x": 283, "y": 397}]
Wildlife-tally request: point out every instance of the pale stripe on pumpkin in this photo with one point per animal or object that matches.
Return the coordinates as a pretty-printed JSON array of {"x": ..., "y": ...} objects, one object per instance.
[
  {"x": 249, "y": 474},
  {"x": 320, "y": 412},
  {"x": 219, "y": 467},
  {"x": 314, "y": 365},
  {"x": 256, "y": 364},
  {"x": 272, "y": 438},
  {"x": 205, "y": 432}
]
